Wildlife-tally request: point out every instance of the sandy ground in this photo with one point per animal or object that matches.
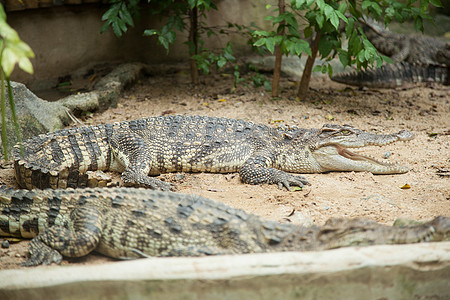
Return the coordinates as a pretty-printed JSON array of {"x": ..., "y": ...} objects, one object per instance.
[{"x": 423, "y": 110}]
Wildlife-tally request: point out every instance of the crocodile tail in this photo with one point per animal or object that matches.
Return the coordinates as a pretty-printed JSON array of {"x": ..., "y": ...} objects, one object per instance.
[
  {"x": 395, "y": 75},
  {"x": 61, "y": 159}
]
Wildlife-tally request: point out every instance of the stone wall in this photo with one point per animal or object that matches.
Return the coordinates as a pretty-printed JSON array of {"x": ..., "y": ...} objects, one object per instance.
[{"x": 67, "y": 37}]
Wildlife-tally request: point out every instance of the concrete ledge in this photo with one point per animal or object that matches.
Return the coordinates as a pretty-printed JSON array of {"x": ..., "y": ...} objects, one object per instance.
[{"x": 419, "y": 271}]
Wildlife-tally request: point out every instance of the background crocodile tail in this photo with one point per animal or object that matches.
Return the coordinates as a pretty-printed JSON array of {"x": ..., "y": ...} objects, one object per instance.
[
  {"x": 62, "y": 158},
  {"x": 395, "y": 75}
]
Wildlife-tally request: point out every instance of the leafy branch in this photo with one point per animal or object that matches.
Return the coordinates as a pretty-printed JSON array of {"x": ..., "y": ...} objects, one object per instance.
[{"x": 328, "y": 24}]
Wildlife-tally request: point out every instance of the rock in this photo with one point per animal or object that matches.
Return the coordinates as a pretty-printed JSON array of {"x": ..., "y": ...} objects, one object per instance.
[
  {"x": 5, "y": 244},
  {"x": 34, "y": 115},
  {"x": 107, "y": 91}
]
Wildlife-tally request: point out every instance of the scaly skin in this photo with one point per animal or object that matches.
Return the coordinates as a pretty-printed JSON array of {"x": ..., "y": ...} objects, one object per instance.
[
  {"x": 195, "y": 144},
  {"x": 399, "y": 75},
  {"x": 416, "y": 59},
  {"x": 134, "y": 223},
  {"x": 414, "y": 49}
]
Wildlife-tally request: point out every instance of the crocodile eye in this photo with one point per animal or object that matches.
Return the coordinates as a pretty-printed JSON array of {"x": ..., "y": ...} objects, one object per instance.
[{"x": 345, "y": 132}]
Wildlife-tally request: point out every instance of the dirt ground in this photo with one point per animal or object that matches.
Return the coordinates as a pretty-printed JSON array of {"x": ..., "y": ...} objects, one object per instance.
[{"x": 423, "y": 110}]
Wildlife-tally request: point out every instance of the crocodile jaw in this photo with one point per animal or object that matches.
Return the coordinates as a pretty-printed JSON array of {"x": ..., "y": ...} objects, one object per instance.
[{"x": 337, "y": 158}]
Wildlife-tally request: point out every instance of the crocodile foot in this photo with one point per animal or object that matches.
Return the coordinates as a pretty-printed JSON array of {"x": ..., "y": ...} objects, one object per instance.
[
  {"x": 286, "y": 180},
  {"x": 139, "y": 180},
  {"x": 42, "y": 254}
]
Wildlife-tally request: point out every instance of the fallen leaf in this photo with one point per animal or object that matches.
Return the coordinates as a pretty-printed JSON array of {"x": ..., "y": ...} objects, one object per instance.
[
  {"x": 167, "y": 112},
  {"x": 405, "y": 186}
]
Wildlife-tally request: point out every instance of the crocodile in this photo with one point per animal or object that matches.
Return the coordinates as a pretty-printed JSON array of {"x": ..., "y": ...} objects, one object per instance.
[
  {"x": 416, "y": 59},
  {"x": 156, "y": 145},
  {"x": 129, "y": 223}
]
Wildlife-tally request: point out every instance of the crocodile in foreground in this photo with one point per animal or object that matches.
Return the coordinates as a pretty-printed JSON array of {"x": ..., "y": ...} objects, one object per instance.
[
  {"x": 416, "y": 59},
  {"x": 156, "y": 145},
  {"x": 134, "y": 223}
]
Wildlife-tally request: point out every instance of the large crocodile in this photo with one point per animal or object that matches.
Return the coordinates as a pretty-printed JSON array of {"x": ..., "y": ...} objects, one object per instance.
[
  {"x": 416, "y": 59},
  {"x": 156, "y": 145},
  {"x": 135, "y": 223}
]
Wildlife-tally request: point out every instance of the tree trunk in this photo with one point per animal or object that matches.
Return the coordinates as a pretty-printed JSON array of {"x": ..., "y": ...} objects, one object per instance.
[
  {"x": 278, "y": 56},
  {"x": 306, "y": 77},
  {"x": 193, "y": 34}
]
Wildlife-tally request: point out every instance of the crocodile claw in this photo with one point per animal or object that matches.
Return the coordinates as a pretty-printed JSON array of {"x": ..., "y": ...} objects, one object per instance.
[
  {"x": 42, "y": 254},
  {"x": 135, "y": 179},
  {"x": 287, "y": 180}
]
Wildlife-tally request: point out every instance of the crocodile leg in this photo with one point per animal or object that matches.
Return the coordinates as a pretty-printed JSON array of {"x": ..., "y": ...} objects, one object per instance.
[
  {"x": 403, "y": 53},
  {"x": 256, "y": 171},
  {"x": 132, "y": 153},
  {"x": 75, "y": 240}
]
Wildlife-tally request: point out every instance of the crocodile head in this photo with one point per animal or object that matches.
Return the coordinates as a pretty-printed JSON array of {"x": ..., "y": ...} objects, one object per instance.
[{"x": 330, "y": 149}]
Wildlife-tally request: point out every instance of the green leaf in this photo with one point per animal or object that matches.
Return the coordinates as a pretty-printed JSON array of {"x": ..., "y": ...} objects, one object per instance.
[
  {"x": 105, "y": 27},
  {"x": 377, "y": 9},
  {"x": 365, "y": 4},
  {"x": 342, "y": 7},
  {"x": 116, "y": 28},
  {"x": 9, "y": 60},
  {"x": 317, "y": 68},
  {"x": 379, "y": 61},
  {"x": 302, "y": 46},
  {"x": 126, "y": 17},
  {"x": 325, "y": 46},
  {"x": 361, "y": 55},
  {"x": 330, "y": 70},
  {"x": 418, "y": 24},
  {"x": 111, "y": 12},
  {"x": 270, "y": 44},
  {"x": 267, "y": 85},
  {"x": 328, "y": 10},
  {"x": 320, "y": 4},
  {"x": 163, "y": 41},
  {"x": 278, "y": 39},
  {"x": 436, "y": 3},
  {"x": 260, "y": 42},
  {"x": 290, "y": 20},
  {"x": 221, "y": 62},
  {"x": 334, "y": 20},
  {"x": 343, "y": 58},
  {"x": 14, "y": 50},
  {"x": 171, "y": 36},
  {"x": 387, "y": 59},
  {"x": 298, "y": 3},
  {"x": 320, "y": 19},
  {"x": 308, "y": 32},
  {"x": 341, "y": 16},
  {"x": 149, "y": 32},
  {"x": 2, "y": 13},
  {"x": 260, "y": 33},
  {"x": 122, "y": 25},
  {"x": 25, "y": 65}
]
